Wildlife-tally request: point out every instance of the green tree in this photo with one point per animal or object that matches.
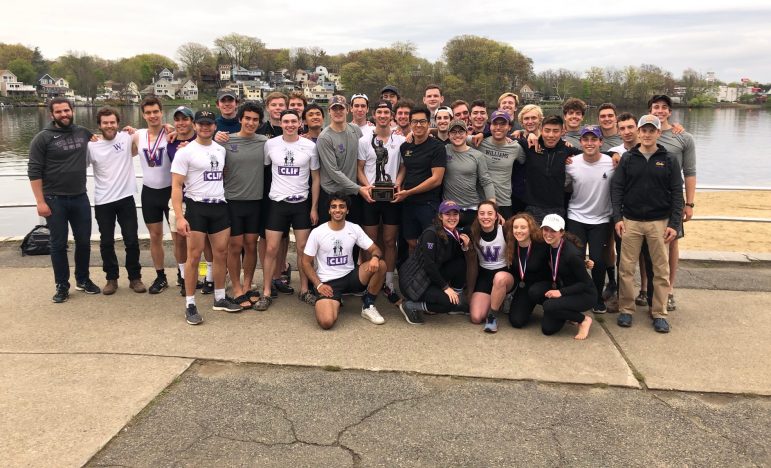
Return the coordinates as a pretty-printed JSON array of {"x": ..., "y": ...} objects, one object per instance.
[
  {"x": 86, "y": 73},
  {"x": 23, "y": 70},
  {"x": 10, "y": 52},
  {"x": 239, "y": 49}
]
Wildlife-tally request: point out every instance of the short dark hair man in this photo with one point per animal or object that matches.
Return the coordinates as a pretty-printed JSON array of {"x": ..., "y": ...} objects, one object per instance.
[
  {"x": 647, "y": 197},
  {"x": 501, "y": 155},
  {"x": 57, "y": 174},
  {"x": 114, "y": 187},
  {"x": 432, "y": 99},
  {"x": 606, "y": 116},
  {"x": 313, "y": 116},
  {"x": 573, "y": 112},
  {"x": 402, "y": 111},
  {"x": 331, "y": 246}
]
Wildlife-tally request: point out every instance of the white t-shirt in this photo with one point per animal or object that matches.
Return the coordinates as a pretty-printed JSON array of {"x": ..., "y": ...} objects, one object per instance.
[
  {"x": 491, "y": 254},
  {"x": 202, "y": 167},
  {"x": 156, "y": 166},
  {"x": 367, "y": 154},
  {"x": 590, "y": 203},
  {"x": 114, "y": 177},
  {"x": 366, "y": 129},
  {"x": 333, "y": 249},
  {"x": 620, "y": 149},
  {"x": 292, "y": 163}
]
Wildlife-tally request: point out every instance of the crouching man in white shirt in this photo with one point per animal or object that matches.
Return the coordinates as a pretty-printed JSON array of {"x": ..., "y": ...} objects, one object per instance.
[{"x": 331, "y": 245}]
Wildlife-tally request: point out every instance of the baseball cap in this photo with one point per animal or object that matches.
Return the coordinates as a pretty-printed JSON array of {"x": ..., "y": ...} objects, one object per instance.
[
  {"x": 457, "y": 123},
  {"x": 499, "y": 114},
  {"x": 186, "y": 111},
  {"x": 204, "y": 116},
  {"x": 383, "y": 104},
  {"x": 553, "y": 221},
  {"x": 389, "y": 89},
  {"x": 337, "y": 100},
  {"x": 226, "y": 93},
  {"x": 593, "y": 129},
  {"x": 649, "y": 120},
  {"x": 660, "y": 97},
  {"x": 447, "y": 206}
]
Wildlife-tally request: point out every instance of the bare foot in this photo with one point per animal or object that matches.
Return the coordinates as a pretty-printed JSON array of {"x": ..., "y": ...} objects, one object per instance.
[{"x": 583, "y": 328}]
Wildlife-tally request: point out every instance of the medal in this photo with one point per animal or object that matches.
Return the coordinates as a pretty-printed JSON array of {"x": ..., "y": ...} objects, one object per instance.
[
  {"x": 522, "y": 267},
  {"x": 150, "y": 152},
  {"x": 521, "y": 285},
  {"x": 151, "y": 163},
  {"x": 555, "y": 263}
]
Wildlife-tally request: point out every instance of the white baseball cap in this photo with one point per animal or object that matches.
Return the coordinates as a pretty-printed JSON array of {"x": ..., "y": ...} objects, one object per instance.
[{"x": 553, "y": 221}]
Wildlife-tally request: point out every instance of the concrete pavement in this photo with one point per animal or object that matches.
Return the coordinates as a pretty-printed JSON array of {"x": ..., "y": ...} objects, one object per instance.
[{"x": 110, "y": 356}]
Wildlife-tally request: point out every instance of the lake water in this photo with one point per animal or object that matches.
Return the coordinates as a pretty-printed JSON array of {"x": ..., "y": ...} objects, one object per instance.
[{"x": 732, "y": 148}]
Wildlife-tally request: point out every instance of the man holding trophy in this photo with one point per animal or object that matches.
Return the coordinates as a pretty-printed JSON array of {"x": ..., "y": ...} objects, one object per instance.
[{"x": 378, "y": 166}]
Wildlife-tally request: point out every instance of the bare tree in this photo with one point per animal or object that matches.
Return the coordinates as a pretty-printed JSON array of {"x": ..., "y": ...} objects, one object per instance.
[{"x": 193, "y": 57}]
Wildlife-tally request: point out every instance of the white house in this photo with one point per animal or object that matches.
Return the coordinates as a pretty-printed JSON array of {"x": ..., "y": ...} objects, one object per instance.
[
  {"x": 225, "y": 72},
  {"x": 189, "y": 90},
  {"x": 11, "y": 86}
]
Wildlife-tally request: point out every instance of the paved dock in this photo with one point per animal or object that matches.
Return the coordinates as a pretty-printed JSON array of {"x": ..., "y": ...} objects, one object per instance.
[{"x": 123, "y": 380}]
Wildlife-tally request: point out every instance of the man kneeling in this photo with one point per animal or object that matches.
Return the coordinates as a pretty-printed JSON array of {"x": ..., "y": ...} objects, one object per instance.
[{"x": 331, "y": 245}]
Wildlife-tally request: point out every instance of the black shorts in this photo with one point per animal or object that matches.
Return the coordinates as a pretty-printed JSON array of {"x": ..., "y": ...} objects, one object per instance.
[
  {"x": 282, "y": 215},
  {"x": 467, "y": 217},
  {"x": 209, "y": 218},
  {"x": 485, "y": 277},
  {"x": 155, "y": 204},
  {"x": 346, "y": 285},
  {"x": 382, "y": 212},
  {"x": 416, "y": 217},
  {"x": 244, "y": 216}
]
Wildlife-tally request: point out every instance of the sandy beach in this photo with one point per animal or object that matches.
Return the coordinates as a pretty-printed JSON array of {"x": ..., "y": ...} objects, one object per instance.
[{"x": 729, "y": 235}]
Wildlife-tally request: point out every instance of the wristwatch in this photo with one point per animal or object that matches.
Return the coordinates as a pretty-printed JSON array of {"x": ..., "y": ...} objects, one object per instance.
[{"x": 690, "y": 204}]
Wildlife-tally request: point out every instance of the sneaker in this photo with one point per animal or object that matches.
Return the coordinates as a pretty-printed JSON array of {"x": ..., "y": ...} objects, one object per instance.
[
  {"x": 208, "y": 287},
  {"x": 199, "y": 284},
  {"x": 610, "y": 290},
  {"x": 227, "y": 305},
  {"x": 307, "y": 297},
  {"x": 137, "y": 286},
  {"x": 491, "y": 324},
  {"x": 600, "y": 308},
  {"x": 370, "y": 313},
  {"x": 671, "y": 303},
  {"x": 263, "y": 303},
  {"x": 180, "y": 281},
  {"x": 412, "y": 314},
  {"x": 159, "y": 285},
  {"x": 282, "y": 286},
  {"x": 88, "y": 287},
  {"x": 624, "y": 320},
  {"x": 192, "y": 316},
  {"x": 391, "y": 294},
  {"x": 286, "y": 275},
  {"x": 110, "y": 287},
  {"x": 62, "y": 294},
  {"x": 661, "y": 325},
  {"x": 611, "y": 305},
  {"x": 641, "y": 299},
  {"x": 273, "y": 291}
]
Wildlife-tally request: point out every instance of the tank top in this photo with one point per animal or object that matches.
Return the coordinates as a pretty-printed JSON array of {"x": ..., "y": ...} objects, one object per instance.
[
  {"x": 154, "y": 159},
  {"x": 491, "y": 254}
]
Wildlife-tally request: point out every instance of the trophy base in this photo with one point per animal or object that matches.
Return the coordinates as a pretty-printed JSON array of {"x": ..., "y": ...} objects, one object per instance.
[{"x": 383, "y": 193}]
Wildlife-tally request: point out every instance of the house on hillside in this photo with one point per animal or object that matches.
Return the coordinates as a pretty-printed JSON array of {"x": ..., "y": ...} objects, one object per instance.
[
  {"x": 166, "y": 74},
  {"x": 10, "y": 86},
  {"x": 189, "y": 91},
  {"x": 528, "y": 95},
  {"x": 49, "y": 87}
]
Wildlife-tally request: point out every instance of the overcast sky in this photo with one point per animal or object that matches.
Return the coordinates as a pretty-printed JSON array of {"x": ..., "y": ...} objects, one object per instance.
[{"x": 733, "y": 39}]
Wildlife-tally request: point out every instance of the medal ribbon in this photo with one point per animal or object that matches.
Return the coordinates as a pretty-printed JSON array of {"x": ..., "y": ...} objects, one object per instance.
[
  {"x": 519, "y": 261},
  {"x": 152, "y": 150},
  {"x": 454, "y": 234},
  {"x": 555, "y": 264}
]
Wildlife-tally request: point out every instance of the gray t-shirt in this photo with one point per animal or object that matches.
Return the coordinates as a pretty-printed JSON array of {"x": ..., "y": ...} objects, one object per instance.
[
  {"x": 682, "y": 148},
  {"x": 465, "y": 172},
  {"x": 244, "y": 167},
  {"x": 610, "y": 142},
  {"x": 500, "y": 161},
  {"x": 338, "y": 153},
  {"x": 574, "y": 138}
]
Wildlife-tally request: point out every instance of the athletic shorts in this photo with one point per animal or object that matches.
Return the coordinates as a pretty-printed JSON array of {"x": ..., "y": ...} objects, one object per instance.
[
  {"x": 485, "y": 277},
  {"x": 466, "y": 219},
  {"x": 416, "y": 217},
  {"x": 209, "y": 218},
  {"x": 244, "y": 216},
  {"x": 283, "y": 214},
  {"x": 173, "y": 217},
  {"x": 348, "y": 284},
  {"x": 382, "y": 212},
  {"x": 155, "y": 204}
]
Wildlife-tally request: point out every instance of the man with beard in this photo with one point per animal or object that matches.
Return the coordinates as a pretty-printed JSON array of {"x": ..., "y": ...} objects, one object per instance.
[{"x": 57, "y": 174}]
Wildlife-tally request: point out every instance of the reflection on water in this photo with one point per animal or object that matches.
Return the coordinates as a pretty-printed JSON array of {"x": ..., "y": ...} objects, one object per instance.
[{"x": 731, "y": 149}]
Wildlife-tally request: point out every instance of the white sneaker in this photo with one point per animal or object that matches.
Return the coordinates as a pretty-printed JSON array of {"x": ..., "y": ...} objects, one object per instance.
[{"x": 370, "y": 313}]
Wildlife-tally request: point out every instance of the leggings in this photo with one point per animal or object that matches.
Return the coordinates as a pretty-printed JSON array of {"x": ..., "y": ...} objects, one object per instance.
[
  {"x": 596, "y": 235},
  {"x": 521, "y": 307},
  {"x": 557, "y": 311},
  {"x": 454, "y": 271}
]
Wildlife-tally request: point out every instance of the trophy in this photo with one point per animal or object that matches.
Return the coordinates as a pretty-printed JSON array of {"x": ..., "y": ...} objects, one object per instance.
[{"x": 384, "y": 187}]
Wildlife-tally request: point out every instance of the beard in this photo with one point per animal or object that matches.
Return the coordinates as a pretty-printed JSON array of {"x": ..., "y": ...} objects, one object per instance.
[{"x": 61, "y": 124}]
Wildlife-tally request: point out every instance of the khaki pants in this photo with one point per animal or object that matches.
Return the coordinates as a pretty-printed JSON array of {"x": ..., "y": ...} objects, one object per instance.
[{"x": 631, "y": 244}]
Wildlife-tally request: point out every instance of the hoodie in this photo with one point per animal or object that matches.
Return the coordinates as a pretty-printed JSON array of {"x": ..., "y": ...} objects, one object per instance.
[{"x": 59, "y": 157}]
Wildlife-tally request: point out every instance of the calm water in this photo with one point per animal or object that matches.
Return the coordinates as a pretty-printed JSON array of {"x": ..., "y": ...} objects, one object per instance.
[{"x": 731, "y": 147}]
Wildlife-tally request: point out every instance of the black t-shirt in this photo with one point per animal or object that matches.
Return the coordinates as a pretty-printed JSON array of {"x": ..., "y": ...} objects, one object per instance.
[
  {"x": 269, "y": 130},
  {"x": 171, "y": 148},
  {"x": 418, "y": 161}
]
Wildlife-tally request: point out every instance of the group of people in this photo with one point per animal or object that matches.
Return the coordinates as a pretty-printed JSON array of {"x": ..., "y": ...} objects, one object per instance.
[{"x": 488, "y": 213}]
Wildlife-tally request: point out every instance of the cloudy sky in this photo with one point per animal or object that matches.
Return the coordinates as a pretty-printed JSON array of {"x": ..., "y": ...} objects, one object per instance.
[{"x": 733, "y": 39}]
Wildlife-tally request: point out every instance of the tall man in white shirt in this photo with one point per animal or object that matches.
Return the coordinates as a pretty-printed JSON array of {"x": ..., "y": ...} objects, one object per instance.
[
  {"x": 114, "y": 189},
  {"x": 198, "y": 167}
]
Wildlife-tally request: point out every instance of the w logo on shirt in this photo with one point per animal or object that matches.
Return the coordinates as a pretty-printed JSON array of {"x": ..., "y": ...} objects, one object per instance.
[
  {"x": 118, "y": 147},
  {"x": 491, "y": 254}
]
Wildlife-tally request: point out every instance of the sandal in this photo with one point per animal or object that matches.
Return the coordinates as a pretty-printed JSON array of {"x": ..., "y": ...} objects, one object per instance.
[
  {"x": 240, "y": 300},
  {"x": 253, "y": 295}
]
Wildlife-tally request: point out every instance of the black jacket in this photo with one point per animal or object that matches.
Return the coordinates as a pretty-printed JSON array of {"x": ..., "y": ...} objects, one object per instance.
[
  {"x": 422, "y": 269},
  {"x": 572, "y": 277},
  {"x": 648, "y": 190},
  {"x": 545, "y": 174},
  {"x": 59, "y": 157}
]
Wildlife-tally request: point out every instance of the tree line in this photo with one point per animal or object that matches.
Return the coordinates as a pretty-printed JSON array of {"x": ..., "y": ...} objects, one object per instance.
[{"x": 470, "y": 67}]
